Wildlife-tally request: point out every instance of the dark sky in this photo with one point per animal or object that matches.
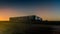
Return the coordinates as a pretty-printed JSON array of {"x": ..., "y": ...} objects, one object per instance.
[{"x": 47, "y": 9}]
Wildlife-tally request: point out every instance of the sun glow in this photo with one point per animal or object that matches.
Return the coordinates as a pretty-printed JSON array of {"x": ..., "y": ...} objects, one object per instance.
[
  {"x": 6, "y": 13},
  {"x": 4, "y": 18}
]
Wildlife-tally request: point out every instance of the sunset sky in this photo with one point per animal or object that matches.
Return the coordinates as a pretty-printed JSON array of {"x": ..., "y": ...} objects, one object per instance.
[{"x": 46, "y": 9}]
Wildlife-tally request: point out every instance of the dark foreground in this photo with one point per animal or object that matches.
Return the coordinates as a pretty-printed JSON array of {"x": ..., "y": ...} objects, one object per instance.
[{"x": 45, "y": 27}]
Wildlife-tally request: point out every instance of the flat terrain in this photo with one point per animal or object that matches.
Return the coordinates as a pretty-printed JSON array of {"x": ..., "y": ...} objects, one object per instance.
[
  {"x": 4, "y": 27},
  {"x": 7, "y": 27}
]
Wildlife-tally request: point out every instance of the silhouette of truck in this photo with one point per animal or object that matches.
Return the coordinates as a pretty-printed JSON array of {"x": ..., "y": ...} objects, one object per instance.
[{"x": 26, "y": 19}]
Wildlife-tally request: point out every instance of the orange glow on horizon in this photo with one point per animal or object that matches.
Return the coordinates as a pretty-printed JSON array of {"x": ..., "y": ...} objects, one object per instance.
[
  {"x": 4, "y": 18},
  {"x": 6, "y": 13}
]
